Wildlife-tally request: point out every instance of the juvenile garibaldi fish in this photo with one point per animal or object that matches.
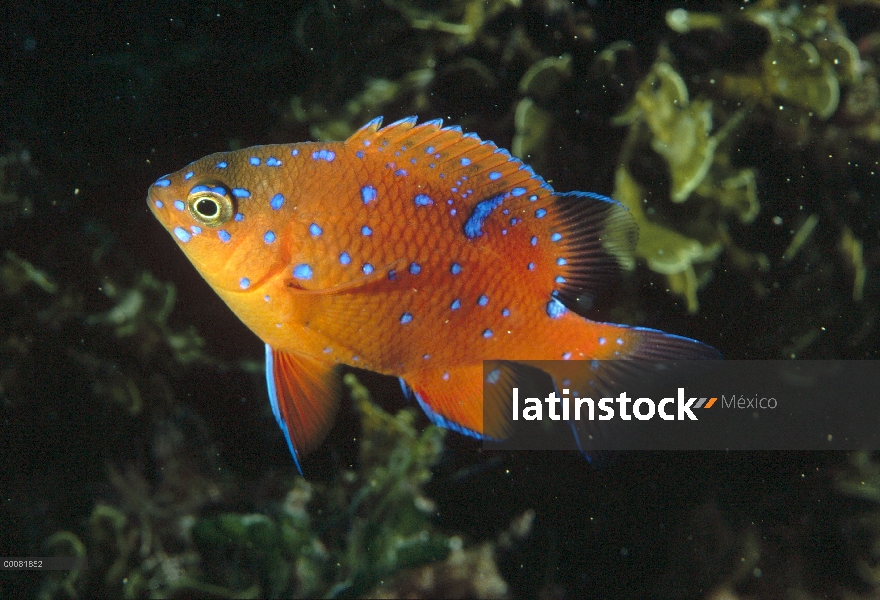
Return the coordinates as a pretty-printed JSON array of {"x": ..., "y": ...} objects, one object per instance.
[{"x": 411, "y": 250}]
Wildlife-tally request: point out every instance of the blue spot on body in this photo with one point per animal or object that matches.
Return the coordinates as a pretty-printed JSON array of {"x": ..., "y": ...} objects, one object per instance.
[
  {"x": 266, "y": 297},
  {"x": 327, "y": 155},
  {"x": 415, "y": 268},
  {"x": 517, "y": 191},
  {"x": 368, "y": 194},
  {"x": 505, "y": 312},
  {"x": 302, "y": 271},
  {"x": 241, "y": 193},
  {"x": 426, "y": 357},
  {"x": 493, "y": 376},
  {"x": 620, "y": 341},
  {"x": 344, "y": 258},
  {"x": 294, "y": 152},
  {"x": 392, "y": 275},
  {"x": 531, "y": 266},
  {"x": 196, "y": 229},
  {"x": 560, "y": 279},
  {"x": 188, "y": 176},
  {"x": 315, "y": 230},
  {"x": 483, "y": 301},
  {"x": 555, "y": 308},
  {"x": 561, "y": 261},
  {"x": 540, "y": 213},
  {"x": 224, "y": 236},
  {"x": 269, "y": 237},
  {"x": 473, "y": 226},
  {"x": 555, "y": 237},
  {"x": 367, "y": 268},
  {"x": 455, "y": 269},
  {"x": 162, "y": 183},
  {"x": 182, "y": 234},
  {"x": 179, "y": 205},
  {"x": 566, "y": 355},
  {"x": 532, "y": 198},
  {"x": 222, "y": 164},
  {"x": 254, "y": 160},
  {"x": 366, "y": 230},
  {"x": 429, "y": 150},
  {"x": 494, "y": 175},
  {"x": 244, "y": 283},
  {"x": 423, "y": 200},
  {"x": 400, "y": 172},
  {"x": 602, "y": 341},
  {"x": 534, "y": 240},
  {"x": 273, "y": 162},
  {"x": 405, "y": 318},
  {"x": 456, "y": 304},
  {"x": 239, "y": 217},
  {"x": 487, "y": 333},
  {"x": 359, "y": 153},
  {"x": 158, "y": 203},
  {"x": 277, "y": 201}
]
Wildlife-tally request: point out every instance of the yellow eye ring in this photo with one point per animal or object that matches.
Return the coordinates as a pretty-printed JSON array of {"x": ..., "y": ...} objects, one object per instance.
[{"x": 210, "y": 207}]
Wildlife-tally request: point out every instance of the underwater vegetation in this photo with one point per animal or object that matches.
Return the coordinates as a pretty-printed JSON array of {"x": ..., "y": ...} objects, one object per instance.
[{"x": 743, "y": 137}]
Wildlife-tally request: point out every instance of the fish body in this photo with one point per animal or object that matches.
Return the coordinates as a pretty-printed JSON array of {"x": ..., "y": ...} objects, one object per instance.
[{"x": 416, "y": 251}]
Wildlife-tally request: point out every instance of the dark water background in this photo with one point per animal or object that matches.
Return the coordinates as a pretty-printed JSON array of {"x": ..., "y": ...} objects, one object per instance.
[{"x": 105, "y": 97}]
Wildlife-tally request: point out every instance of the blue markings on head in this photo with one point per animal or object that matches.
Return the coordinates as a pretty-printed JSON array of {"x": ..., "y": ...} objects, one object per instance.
[
  {"x": 455, "y": 269},
  {"x": 517, "y": 191},
  {"x": 456, "y": 304},
  {"x": 158, "y": 203},
  {"x": 315, "y": 230},
  {"x": 494, "y": 175},
  {"x": 561, "y": 261},
  {"x": 540, "y": 213},
  {"x": 415, "y": 268},
  {"x": 269, "y": 237},
  {"x": 277, "y": 201},
  {"x": 405, "y": 318},
  {"x": 505, "y": 312},
  {"x": 273, "y": 162},
  {"x": 400, "y": 172},
  {"x": 302, "y": 271},
  {"x": 344, "y": 258},
  {"x": 473, "y": 226},
  {"x": 254, "y": 160},
  {"x": 182, "y": 234},
  {"x": 534, "y": 240},
  {"x": 465, "y": 161},
  {"x": 196, "y": 229},
  {"x": 487, "y": 333},
  {"x": 239, "y": 217},
  {"x": 179, "y": 205},
  {"x": 207, "y": 188},
  {"x": 222, "y": 164},
  {"x": 555, "y": 308},
  {"x": 327, "y": 155},
  {"x": 367, "y": 268},
  {"x": 368, "y": 194},
  {"x": 241, "y": 193},
  {"x": 188, "y": 176},
  {"x": 423, "y": 200},
  {"x": 244, "y": 283},
  {"x": 483, "y": 301},
  {"x": 162, "y": 183},
  {"x": 224, "y": 236},
  {"x": 555, "y": 237},
  {"x": 366, "y": 230}
]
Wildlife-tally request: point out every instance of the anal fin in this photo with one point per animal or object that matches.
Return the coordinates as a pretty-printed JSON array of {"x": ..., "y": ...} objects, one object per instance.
[{"x": 304, "y": 394}]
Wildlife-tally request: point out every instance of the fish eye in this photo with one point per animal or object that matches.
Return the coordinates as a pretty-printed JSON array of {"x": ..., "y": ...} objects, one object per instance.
[{"x": 210, "y": 205}]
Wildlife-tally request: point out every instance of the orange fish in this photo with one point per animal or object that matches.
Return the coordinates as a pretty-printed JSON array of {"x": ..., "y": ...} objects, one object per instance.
[{"x": 412, "y": 250}]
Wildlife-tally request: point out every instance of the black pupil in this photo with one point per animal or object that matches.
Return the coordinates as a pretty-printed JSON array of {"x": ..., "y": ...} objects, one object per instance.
[{"x": 207, "y": 208}]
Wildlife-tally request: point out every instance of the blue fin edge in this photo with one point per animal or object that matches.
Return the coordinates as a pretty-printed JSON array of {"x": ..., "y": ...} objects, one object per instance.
[{"x": 276, "y": 410}]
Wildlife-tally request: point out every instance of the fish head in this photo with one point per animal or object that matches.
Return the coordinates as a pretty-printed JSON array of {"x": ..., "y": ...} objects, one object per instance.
[{"x": 221, "y": 213}]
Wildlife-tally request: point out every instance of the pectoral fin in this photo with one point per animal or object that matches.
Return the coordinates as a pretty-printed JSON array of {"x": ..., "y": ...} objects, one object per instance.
[{"x": 304, "y": 394}]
